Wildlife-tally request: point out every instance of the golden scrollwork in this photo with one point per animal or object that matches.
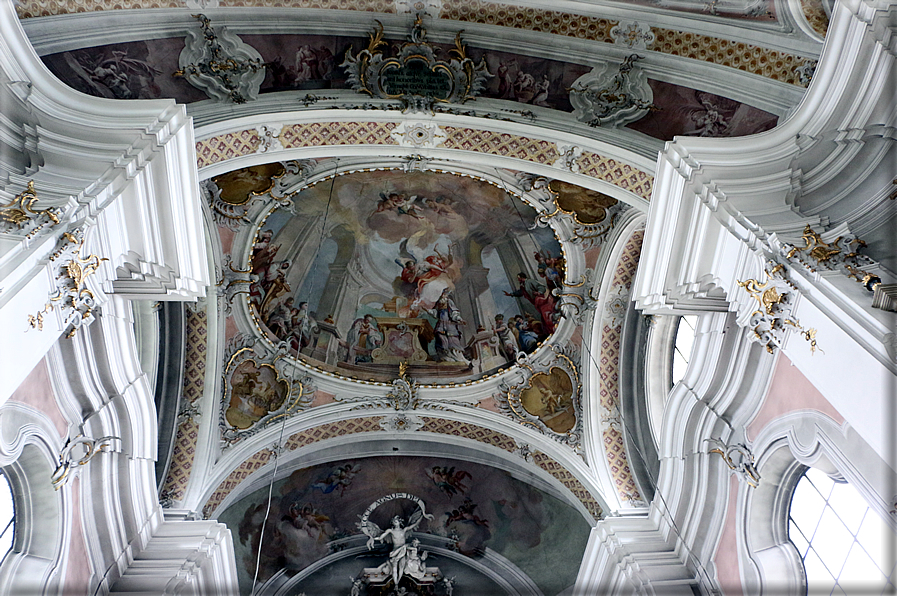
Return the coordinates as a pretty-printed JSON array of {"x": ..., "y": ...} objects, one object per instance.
[
  {"x": 815, "y": 248},
  {"x": 773, "y": 314},
  {"x": 21, "y": 210},
  {"x": 767, "y": 296},
  {"x": 72, "y": 293},
  {"x": 739, "y": 459}
]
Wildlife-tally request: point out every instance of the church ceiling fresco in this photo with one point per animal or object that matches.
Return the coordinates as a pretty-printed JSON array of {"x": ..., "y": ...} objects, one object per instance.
[
  {"x": 435, "y": 270},
  {"x": 306, "y": 63},
  {"x": 473, "y": 507}
]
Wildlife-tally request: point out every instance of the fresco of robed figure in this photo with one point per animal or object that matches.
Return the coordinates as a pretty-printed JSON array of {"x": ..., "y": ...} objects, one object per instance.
[{"x": 413, "y": 267}]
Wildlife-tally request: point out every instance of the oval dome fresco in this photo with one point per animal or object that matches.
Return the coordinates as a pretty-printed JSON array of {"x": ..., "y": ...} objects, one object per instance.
[{"x": 372, "y": 269}]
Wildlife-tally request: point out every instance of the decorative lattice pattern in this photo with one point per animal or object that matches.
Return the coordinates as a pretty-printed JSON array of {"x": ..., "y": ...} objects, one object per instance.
[
  {"x": 240, "y": 473},
  {"x": 743, "y": 56},
  {"x": 184, "y": 449},
  {"x": 628, "y": 262},
  {"x": 532, "y": 19},
  {"x": 469, "y": 431},
  {"x": 387, "y": 6},
  {"x": 337, "y": 133},
  {"x": 550, "y": 465},
  {"x": 43, "y": 8},
  {"x": 609, "y": 376},
  {"x": 619, "y": 174},
  {"x": 815, "y": 15},
  {"x": 336, "y": 429},
  {"x": 485, "y": 141},
  {"x": 226, "y": 146}
]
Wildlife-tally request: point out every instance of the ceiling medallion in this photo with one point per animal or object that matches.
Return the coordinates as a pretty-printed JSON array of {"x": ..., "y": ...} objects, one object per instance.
[
  {"x": 258, "y": 390},
  {"x": 415, "y": 76},
  {"x": 549, "y": 398},
  {"x": 442, "y": 273}
]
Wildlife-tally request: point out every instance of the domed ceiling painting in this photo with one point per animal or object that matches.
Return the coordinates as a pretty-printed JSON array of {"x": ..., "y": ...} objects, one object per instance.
[
  {"x": 472, "y": 512},
  {"x": 443, "y": 273}
]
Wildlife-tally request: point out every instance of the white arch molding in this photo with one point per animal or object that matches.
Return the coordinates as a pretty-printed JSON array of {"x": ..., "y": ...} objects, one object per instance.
[{"x": 769, "y": 562}]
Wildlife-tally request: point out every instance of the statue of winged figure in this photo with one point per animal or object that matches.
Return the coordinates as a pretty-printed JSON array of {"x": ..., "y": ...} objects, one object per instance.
[{"x": 398, "y": 535}]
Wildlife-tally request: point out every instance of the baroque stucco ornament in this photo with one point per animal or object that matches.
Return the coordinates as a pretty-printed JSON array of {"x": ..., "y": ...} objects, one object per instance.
[
  {"x": 77, "y": 452},
  {"x": 257, "y": 389},
  {"x": 72, "y": 295},
  {"x": 220, "y": 64},
  {"x": 772, "y": 318},
  {"x": 20, "y": 213},
  {"x": 415, "y": 75},
  {"x": 548, "y": 397},
  {"x": 613, "y": 96}
]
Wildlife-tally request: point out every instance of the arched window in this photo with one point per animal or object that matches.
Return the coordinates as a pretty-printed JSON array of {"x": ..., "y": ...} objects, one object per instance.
[
  {"x": 7, "y": 516},
  {"x": 843, "y": 543},
  {"x": 685, "y": 339}
]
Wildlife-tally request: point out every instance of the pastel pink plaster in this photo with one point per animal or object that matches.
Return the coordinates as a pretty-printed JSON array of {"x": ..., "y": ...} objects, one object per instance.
[
  {"x": 37, "y": 392},
  {"x": 77, "y": 574},
  {"x": 321, "y": 398},
  {"x": 230, "y": 328},
  {"x": 789, "y": 391},
  {"x": 592, "y": 256},
  {"x": 227, "y": 239},
  {"x": 728, "y": 572},
  {"x": 488, "y": 404}
]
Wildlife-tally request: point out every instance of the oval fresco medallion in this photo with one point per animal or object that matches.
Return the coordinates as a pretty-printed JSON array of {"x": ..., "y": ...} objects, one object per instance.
[
  {"x": 255, "y": 391},
  {"x": 239, "y": 186},
  {"x": 549, "y": 398},
  {"x": 587, "y": 206},
  {"x": 378, "y": 268}
]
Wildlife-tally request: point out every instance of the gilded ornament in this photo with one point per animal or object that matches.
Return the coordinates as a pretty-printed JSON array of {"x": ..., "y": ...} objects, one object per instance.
[
  {"x": 68, "y": 460},
  {"x": 773, "y": 317},
  {"x": 415, "y": 75},
  {"x": 72, "y": 294},
  {"x": 739, "y": 459},
  {"x": 21, "y": 210}
]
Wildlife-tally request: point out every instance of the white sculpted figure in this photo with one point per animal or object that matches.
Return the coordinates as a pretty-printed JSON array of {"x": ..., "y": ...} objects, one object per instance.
[
  {"x": 398, "y": 556},
  {"x": 404, "y": 558}
]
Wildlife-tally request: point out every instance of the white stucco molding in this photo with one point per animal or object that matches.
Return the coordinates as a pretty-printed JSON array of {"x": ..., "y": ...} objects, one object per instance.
[
  {"x": 769, "y": 562},
  {"x": 721, "y": 207},
  {"x": 123, "y": 172}
]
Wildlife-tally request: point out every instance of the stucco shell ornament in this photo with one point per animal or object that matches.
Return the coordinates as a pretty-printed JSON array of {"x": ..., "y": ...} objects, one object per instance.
[{"x": 415, "y": 75}]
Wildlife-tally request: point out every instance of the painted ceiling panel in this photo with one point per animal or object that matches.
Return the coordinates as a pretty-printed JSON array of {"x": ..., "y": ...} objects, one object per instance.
[
  {"x": 143, "y": 70},
  {"x": 475, "y": 507}
]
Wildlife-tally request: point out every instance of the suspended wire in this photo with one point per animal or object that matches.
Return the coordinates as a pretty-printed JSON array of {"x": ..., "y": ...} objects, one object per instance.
[
  {"x": 622, "y": 419},
  {"x": 279, "y": 446},
  {"x": 529, "y": 232},
  {"x": 657, "y": 491},
  {"x": 283, "y": 426}
]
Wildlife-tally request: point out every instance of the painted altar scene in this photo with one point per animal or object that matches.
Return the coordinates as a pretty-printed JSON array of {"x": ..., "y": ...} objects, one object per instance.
[{"x": 435, "y": 270}]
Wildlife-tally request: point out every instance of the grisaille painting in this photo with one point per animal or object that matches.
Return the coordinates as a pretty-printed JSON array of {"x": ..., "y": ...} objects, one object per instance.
[{"x": 435, "y": 270}]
